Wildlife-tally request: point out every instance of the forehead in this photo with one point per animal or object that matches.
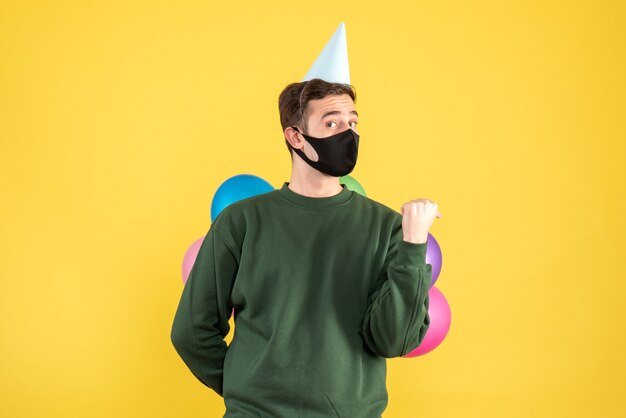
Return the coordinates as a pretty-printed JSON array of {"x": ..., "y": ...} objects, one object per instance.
[{"x": 341, "y": 103}]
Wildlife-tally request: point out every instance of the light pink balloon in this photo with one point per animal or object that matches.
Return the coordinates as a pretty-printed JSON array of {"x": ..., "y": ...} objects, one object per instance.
[
  {"x": 190, "y": 257},
  {"x": 439, "y": 312}
]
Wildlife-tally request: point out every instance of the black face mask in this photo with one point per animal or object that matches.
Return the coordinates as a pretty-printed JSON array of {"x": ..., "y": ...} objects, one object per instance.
[{"x": 337, "y": 153}]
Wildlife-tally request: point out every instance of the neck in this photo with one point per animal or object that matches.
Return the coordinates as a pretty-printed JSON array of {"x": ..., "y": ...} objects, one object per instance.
[{"x": 307, "y": 181}]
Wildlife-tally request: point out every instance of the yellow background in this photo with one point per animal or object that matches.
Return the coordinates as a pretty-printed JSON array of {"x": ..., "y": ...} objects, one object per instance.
[{"x": 119, "y": 120}]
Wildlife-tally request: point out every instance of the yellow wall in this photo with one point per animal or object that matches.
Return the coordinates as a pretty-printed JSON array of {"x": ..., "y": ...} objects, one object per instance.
[{"x": 118, "y": 121}]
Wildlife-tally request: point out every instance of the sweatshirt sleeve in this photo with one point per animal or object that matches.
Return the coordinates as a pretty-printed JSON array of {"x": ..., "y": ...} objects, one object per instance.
[
  {"x": 201, "y": 320},
  {"x": 397, "y": 318}
]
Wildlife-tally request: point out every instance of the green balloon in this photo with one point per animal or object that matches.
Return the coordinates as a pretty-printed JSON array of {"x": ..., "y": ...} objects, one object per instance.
[{"x": 352, "y": 184}]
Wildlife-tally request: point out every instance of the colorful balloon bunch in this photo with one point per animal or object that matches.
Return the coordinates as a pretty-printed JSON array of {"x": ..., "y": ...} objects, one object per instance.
[
  {"x": 438, "y": 307},
  {"x": 246, "y": 185},
  {"x": 235, "y": 188}
]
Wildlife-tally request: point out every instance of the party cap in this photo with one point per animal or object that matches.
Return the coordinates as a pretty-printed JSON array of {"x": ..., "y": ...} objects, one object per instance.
[{"x": 332, "y": 63}]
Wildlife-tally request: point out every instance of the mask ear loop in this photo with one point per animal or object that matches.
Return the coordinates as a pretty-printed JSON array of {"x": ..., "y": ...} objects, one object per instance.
[{"x": 301, "y": 111}]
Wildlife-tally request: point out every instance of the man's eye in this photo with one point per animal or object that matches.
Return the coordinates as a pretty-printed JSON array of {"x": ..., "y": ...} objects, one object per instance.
[
  {"x": 353, "y": 124},
  {"x": 331, "y": 124}
]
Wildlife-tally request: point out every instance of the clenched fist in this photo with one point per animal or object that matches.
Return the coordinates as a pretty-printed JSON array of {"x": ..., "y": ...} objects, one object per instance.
[{"x": 417, "y": 217}]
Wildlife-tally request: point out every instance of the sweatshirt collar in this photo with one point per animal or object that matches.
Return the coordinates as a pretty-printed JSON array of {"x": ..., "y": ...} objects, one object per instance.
[{"x": 316, "y": 202}]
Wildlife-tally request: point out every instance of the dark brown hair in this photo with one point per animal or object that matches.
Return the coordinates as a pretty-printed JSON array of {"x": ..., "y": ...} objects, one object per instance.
[{"x": 294, "y": 99}]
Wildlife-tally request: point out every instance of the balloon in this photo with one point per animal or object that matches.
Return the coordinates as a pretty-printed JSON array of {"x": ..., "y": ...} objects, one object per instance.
[
  {"x": 433, "y": 257},
  {"x": 190, "y": 257},
  {"x": 439, "y": 312},
  {"x": 237, "y": 188},
  {"x": 352, "y": 184}
]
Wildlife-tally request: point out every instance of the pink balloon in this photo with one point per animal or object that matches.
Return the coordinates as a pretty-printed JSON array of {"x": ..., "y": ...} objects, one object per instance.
[
  {"x": 439, "y": 312},
  {"x": 190, "y": 257}
]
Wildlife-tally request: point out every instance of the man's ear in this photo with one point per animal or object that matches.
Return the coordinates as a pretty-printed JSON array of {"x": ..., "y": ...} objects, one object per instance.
[{"x": 294, "y": 137}]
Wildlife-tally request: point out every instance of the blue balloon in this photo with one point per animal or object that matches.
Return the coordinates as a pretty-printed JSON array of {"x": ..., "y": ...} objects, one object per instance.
[{"x": 237, "y": 188}]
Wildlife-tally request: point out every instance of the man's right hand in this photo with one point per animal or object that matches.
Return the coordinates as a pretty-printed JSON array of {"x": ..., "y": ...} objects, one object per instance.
[{"x": 417, "y": 217}]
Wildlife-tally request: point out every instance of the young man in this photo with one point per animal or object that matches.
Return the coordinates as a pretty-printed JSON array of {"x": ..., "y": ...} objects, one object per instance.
[{"x": 325, "y": 283}]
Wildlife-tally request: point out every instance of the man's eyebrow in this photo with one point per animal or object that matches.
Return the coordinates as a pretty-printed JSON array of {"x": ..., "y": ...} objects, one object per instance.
[{"x": 336, "y": 112}]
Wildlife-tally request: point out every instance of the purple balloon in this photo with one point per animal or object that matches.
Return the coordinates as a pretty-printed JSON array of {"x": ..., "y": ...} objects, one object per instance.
[{"x": 433, "y": 257}]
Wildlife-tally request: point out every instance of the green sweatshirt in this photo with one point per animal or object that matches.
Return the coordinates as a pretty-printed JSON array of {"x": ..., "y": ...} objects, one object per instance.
[{"x": 323, "y": 289}]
